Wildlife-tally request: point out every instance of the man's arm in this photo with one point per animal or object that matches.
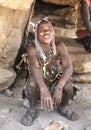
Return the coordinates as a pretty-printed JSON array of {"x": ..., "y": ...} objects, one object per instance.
[
  {"x": 67, "y": 65},
  {"x": 34, "y": 65},
  {"x": 85, "y": 12},
  {"x": 67, "y": 72},
  {"x": 46, "y": 99}
]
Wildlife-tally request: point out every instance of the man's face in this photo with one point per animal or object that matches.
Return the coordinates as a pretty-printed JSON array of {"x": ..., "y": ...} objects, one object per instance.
[{"x": 45, "y": 33}]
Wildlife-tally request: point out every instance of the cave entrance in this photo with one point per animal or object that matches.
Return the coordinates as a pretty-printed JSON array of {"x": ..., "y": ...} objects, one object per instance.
[{"x": 62, "y": 17}]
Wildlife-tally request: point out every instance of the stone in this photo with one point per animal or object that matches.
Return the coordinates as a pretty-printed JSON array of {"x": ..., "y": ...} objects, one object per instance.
[
  {"x": 61, "y": 32},
  {"x": 81, "y": 63},
  {"x": 81, "y": 59},
  {"x": 16, "y": 4},
  {"x": 8, "y": 93},
  {"x": 82, "y": 78},
  {"x": 62, "y": 2},
  {"x": 14, "y": 15},
  {"x": 57, "y": 125},
  {"x": 7, "y": 77}
]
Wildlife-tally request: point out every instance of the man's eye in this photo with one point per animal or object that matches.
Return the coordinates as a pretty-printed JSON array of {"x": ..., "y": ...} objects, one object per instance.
[
  {"x": 41, "y": 31},
  {"x": 44, "y": 30}
]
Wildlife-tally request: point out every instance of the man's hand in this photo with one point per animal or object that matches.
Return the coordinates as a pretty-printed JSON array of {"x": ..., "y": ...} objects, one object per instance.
[
  {"x": 57, "y": 96},
  {"x": 46, "y": 99}
]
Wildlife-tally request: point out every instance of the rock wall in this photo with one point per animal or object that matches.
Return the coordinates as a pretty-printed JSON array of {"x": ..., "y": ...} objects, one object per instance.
[
  {"x": 63, "y": 2},
  {"x": 81, "y": 60},
  {"x": 72, "y": 16},
  {"x": 14, "y": 15}
]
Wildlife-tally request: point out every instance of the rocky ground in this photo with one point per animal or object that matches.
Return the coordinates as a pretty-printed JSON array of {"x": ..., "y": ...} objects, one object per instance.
[{"x": 12, "y": 110}]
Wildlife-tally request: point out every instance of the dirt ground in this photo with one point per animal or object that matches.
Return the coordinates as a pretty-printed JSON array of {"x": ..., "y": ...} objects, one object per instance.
[{"x": 12, "y": 110}]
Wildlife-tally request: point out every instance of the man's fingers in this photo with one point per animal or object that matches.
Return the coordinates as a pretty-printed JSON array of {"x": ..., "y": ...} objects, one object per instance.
[
  {"x": 42, "y": 103},
  {"x": 51, "y": 105},
  {"x": 46, "y": 105},
  {"x": 54, "y": 99},
  {"x": 57, "y": 101}
]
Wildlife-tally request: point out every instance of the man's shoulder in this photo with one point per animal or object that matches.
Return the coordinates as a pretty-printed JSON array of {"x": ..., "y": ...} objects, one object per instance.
[
  {"x": 59, "y": 43},
  {"x": 31, "y": 48},
  {"x": 61, "y": 47}
]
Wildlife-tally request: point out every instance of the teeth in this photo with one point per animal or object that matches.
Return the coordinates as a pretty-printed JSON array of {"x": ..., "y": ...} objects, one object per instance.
[{"x": 46, "y": 36}]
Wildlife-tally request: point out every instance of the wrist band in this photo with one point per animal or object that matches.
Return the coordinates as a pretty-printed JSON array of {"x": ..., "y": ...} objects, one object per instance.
[{"x": 59, "y": 88}]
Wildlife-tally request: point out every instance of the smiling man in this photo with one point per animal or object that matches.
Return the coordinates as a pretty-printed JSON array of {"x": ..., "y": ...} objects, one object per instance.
[{"x": 50, "y": 70}]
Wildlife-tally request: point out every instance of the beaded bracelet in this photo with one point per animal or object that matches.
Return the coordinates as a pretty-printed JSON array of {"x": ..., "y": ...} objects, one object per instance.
[{"x": 59, "y": 88}]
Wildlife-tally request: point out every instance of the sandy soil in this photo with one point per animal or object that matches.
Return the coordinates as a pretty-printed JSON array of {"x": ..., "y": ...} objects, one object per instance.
[{"x": 12, "y": 110}]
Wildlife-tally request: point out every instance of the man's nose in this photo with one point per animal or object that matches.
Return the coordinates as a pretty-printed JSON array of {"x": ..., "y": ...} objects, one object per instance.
[{"x": 46, "y": 30}]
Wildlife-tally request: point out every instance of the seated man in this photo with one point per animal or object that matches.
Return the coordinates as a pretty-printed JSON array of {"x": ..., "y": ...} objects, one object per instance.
[{"x": 50, "y": 70}]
